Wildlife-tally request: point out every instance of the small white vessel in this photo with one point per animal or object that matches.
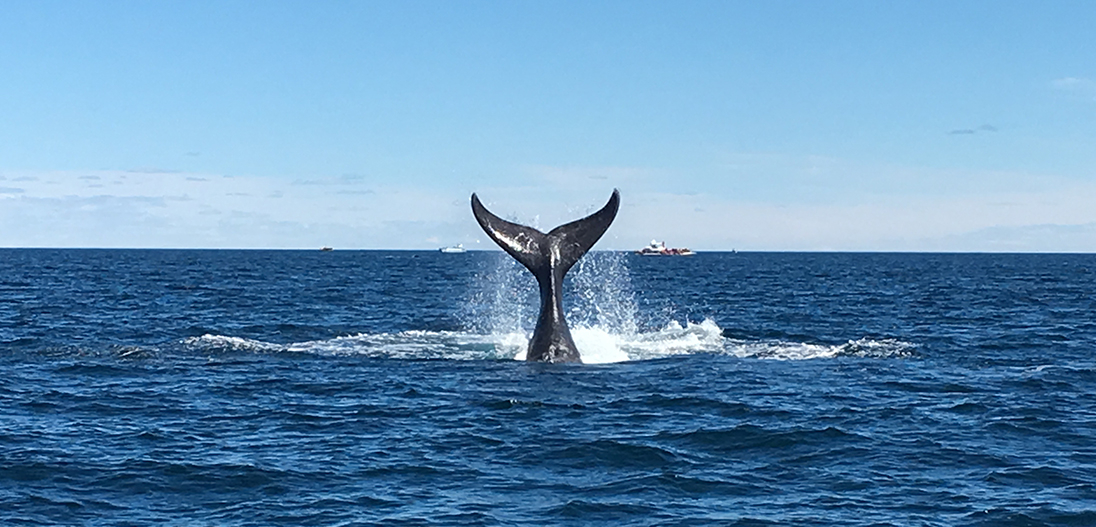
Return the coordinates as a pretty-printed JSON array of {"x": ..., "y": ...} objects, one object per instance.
[
  {"x": 454, "y": 249},
  {"x": 657, "y": 248}
]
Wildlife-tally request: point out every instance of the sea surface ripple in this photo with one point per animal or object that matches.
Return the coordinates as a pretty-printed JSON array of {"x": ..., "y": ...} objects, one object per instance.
[{"x": 145, "y": 387}]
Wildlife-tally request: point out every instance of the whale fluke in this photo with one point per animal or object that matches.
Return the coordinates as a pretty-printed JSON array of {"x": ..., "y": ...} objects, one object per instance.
[{"x": 549, "y": 257}]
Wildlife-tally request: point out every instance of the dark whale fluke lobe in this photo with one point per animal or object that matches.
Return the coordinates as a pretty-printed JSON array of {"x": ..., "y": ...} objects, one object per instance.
[{"x": 549, "y": 257}]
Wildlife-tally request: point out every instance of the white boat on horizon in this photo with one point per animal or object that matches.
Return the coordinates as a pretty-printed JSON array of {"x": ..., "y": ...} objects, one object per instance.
[
  {"x": 657, "y": 248},
  {"x": 454, "y": 249}
]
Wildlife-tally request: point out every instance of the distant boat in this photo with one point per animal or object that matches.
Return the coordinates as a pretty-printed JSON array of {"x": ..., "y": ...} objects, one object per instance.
[
  {"x": 454, "y": 249},
  {"x": 657, "y": 248},
  {"x": 325, "y": 249}
]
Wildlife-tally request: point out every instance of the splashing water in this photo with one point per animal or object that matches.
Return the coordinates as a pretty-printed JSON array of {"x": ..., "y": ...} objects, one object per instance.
[
  {"x": 502, "y": 307},
  {"x": 602, "y": 313},
  {"x": 503, "y": 297},
  {"x": 597, "y": 345},
  {"x": 601, "y": 309},
  {"x": 600, "y": 294}
]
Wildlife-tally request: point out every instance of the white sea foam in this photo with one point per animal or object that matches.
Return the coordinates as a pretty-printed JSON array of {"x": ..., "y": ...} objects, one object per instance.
[
  {"x": 603, "y": 316},
  {"x": 596, "y": 345},
  {"x": 214, "y": 342},
  {"x": 785, "y": 350}
]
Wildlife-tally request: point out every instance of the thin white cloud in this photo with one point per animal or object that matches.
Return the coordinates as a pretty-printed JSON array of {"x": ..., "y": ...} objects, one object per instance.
[
  {"x": 198, "y": 210},
  {"x": 1076, "y": 85},
  {"x": 977, "y": 130},
  {"x": 887, "y": 223},
  {"x": 819, "y": 180},
  {"x": 578, "y": 175},
  {"x": 1027, "y": 238},
  {"x": 845, "y": 206},
  {"x": 153, "y": 170}
]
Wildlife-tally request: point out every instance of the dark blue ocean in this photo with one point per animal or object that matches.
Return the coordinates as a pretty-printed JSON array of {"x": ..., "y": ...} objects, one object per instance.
[{"x": 232, "y": 388}]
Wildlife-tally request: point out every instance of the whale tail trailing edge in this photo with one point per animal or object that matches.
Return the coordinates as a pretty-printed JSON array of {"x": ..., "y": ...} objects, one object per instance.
[
  {"x": 549, "y": 257},
  {"x": 534, "y": 249}
]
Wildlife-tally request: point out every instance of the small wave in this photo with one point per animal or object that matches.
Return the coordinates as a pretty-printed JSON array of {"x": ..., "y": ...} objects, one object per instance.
[
  {"x": 784, "y": 350},
  {"x": 602, "y": 511},
  {"x": 596, "y": 344},
  {"x": 675, "y": 339},
  {"x": 747, "y": 436},
  {"x": 224, "y": 343},
  {"x": 403, "y": 345}
]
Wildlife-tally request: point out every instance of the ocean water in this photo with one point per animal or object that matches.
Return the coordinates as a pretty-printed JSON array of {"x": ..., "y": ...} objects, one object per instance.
[{"x": 232, "y": 388}]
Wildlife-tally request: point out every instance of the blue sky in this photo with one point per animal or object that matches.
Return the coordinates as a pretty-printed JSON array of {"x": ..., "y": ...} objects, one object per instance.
[{"x": 867, "y": 125}]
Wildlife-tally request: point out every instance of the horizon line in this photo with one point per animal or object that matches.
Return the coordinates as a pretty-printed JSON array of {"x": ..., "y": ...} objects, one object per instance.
[{"x": 469, "y": 250}]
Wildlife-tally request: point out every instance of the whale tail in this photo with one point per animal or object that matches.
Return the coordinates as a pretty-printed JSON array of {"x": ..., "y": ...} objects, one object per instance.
[
  {"x": 534, "y": 249},
  {"x": 549, "y": 257}
]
